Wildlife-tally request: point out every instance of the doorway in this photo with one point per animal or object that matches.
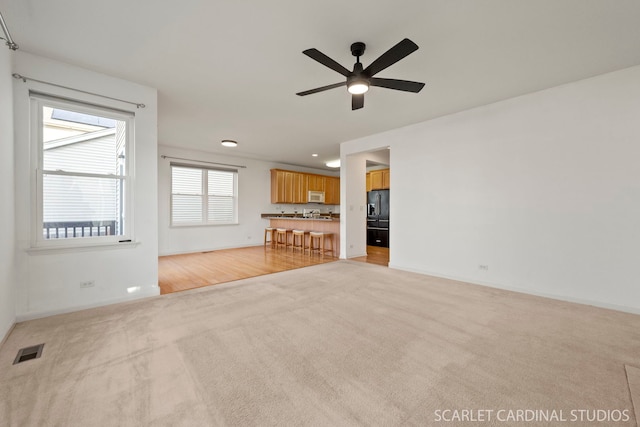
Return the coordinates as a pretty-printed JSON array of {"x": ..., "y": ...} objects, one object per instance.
[
  {"x": 378, "y": 193},
  {"x": 355, "y": 207},
  {"x": 375, "y": 255}
]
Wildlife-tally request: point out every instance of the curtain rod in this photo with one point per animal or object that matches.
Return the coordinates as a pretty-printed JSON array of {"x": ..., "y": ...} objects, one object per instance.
[
  {"x": 25, "y": 78},
  {"x": 203, "y": 161},
  {"x": 12, "y": 45}
]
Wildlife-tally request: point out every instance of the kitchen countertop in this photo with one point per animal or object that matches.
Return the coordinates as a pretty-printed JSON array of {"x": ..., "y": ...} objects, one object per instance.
[
  {"x": 290, "y": 218},
  {"x": 323, "y": 217}
]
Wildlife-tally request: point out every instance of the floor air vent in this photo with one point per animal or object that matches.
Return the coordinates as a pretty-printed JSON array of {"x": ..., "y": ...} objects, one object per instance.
[{"x": 28, "y": 353}]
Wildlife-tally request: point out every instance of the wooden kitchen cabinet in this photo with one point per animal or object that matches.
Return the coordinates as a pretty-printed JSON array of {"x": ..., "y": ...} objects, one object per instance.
[
  {"x": 299, "y": 188},
  {"x": 386, "y": 179},
  {"x": 277, "y": 186},
  {"x": 288, "y": 187},
  {"x": 331, "y": 190},
  {"x": 315, "y": 182},
  {"x": 379, "y": 180},
  {"x": 291, "y": 187},
  {"x": 368, "y": 182},
  {"x": 376, "y": 180}
]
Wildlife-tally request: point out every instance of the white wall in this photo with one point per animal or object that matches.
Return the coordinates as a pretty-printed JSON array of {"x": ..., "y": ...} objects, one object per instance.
[
  {"x": 49, "y": 282},
  {"x": 382, "y": 157},
  {"x": 544, "y": 189},
  {"x": 353, "y": 217},
  {"x": 7, "y": 196},
  {"x": 254, "y": 198}
]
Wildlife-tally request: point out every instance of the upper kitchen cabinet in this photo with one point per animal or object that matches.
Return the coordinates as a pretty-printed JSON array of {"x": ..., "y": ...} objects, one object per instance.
[
  {"x": 315, "y": 182},
  {"x": 292, "y": 187},
  {"x": 288, "y": 187},
  {"x": 299, "y": 188},
  {"x": 376, "y": 180},
  {"x": 277, "y": 186},
  {"x": 331, "y": 190},
  {"x": 379, "y": 180}
]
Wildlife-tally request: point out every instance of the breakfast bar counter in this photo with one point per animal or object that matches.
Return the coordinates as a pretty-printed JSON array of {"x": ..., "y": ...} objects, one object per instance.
[{"x": 323, "y": 224}]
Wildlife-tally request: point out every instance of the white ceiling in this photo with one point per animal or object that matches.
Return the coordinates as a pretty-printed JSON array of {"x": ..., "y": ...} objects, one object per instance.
[{"x": 230, "y": 69}]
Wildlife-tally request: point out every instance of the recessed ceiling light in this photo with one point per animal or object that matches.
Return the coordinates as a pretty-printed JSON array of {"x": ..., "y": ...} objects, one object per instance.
[
  {"x": 229, "y": 143},
  {"x": 333, "y": 163},
  {"x": 314, "y": 155}
]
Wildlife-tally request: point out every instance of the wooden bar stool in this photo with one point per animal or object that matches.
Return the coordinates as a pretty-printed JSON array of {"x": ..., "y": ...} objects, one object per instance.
[
  {"x": 317, "y": 237},
  {"x": 269, "y": 232},
  {"x": 282, "y": 237},
  {"x": 298, "y": 235}
]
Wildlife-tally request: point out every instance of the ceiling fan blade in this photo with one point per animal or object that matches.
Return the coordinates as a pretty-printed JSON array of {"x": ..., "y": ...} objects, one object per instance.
[
  {"x": 357, "y": 102},
  {"x": 390, "y": 57},
  {"x": 321, "y": 89},
  {"x": 405, "y": 85},
  {"x": 326, "y": 61}
]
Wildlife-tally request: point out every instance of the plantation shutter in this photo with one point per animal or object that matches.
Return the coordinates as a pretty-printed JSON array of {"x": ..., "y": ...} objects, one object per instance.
[
  {"x": 221, "y": 201},
  {"x": 186, "y": 192},
  {"x": 202, "y": 195}
]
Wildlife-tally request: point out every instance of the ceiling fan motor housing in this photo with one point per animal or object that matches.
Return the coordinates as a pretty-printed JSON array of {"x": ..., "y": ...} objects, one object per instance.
[
  {"x": 357, "y": 75},
  {"x": 357, "y": 49}
]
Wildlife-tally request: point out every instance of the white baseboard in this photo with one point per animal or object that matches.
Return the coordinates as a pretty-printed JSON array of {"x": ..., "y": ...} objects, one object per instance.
[
  {"x": 353, "y": 256},
  {"x": 150, "y": 292},
  {"x": 623, "y": 308},
  {"x": 6, "y": 335},
  {"x": 194, "y": 251}
]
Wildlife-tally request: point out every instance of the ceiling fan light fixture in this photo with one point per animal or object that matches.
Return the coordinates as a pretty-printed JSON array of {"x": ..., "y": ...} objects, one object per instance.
[
  {"x": 358, "y": 87},
  {"x": 359, "y": 80},
  {"x": 229, "y": 143}
]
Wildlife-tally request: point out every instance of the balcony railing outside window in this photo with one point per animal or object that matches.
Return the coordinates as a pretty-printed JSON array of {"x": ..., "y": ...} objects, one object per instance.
[{"x": 71, "y": 229}]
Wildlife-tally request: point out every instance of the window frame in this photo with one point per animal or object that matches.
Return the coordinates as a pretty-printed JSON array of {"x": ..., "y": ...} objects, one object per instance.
[
  {"x": 36, "y": 102},
  {"x": 205, "y": 196}
]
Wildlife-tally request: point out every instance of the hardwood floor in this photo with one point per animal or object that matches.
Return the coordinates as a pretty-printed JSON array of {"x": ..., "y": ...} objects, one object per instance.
[
  {"x": 375, "y": 255},
  {"x": 188, "y": 271}
]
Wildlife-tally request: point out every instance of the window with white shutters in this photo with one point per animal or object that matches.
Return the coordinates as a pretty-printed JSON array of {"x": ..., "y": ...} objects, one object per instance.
[
  {"x": 203, "y": 196},
  {"x": 83, "y": 193}
]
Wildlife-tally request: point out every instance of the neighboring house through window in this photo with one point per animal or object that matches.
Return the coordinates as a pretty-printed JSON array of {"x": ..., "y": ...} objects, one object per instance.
[
  {"x": 83, "y": 191},
  {"x": 203, "y": 196}
]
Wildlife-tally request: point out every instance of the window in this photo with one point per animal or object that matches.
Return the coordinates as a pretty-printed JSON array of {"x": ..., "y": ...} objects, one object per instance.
[
  {"x": 201, "y": 196},
  {"x": 83, "y": 193}
]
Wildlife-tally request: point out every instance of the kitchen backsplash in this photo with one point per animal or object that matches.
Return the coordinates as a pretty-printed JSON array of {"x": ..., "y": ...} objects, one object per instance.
[{"x": 288, "y": 208}]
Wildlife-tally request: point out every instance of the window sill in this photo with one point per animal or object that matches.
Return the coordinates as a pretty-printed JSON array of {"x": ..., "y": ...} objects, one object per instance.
[
  {"x": 43, "y": 250},
  {"x": 219, "y": 224}
]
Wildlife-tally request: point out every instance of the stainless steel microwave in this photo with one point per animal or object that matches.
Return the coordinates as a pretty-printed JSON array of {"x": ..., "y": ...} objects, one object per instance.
[{"x": 315, "y": 197}]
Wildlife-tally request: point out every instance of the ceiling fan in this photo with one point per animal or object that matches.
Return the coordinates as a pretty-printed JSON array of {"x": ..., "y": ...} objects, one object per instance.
[{"x": 359, "y": 80}]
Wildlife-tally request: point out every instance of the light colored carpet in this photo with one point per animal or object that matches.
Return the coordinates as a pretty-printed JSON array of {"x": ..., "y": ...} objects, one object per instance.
[{"x": 344, "y": 343}]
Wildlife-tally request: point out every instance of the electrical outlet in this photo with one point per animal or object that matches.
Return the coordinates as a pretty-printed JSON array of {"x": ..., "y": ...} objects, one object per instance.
[
  {"x": 483, "y": 267},
  {"x": 88, "y": 284}
]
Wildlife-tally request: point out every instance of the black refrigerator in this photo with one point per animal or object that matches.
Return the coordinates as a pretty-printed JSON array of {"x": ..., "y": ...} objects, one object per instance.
[{"x": 378, "y": 218}]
